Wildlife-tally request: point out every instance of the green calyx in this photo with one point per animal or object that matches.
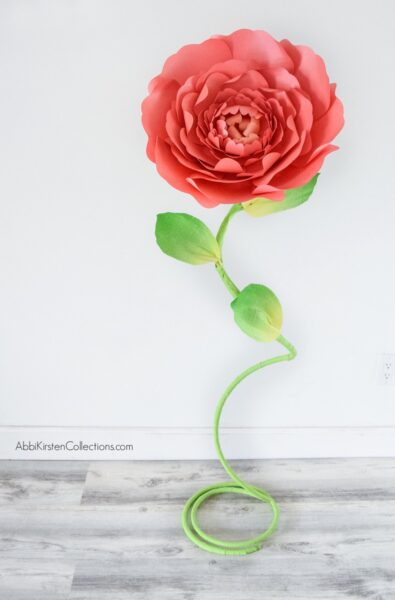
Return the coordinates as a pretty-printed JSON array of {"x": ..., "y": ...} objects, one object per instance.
[
  {"x": 257, "y": 311},
  {"x": 260, "y": 207}
]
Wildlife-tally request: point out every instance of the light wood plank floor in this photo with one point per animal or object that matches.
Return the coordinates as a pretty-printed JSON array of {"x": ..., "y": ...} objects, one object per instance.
[{"x": 111, "y": 531}]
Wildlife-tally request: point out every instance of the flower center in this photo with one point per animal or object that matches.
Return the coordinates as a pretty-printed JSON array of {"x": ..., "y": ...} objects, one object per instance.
[{"x": 239, "y": 124}]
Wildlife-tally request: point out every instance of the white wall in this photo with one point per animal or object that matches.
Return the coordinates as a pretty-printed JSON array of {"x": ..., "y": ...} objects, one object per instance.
[{"x": 97, "y": 327}]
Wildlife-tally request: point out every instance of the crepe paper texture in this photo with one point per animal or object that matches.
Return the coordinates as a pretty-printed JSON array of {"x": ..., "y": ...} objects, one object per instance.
[{"x": 243, "y": 120}]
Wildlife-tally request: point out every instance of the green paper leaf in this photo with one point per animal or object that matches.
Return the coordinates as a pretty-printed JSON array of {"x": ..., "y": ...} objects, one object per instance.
[
  {"x": 258, "y": 312},
  {"x": 186, "y": 238},
  {"x": 259, "y": 207}
]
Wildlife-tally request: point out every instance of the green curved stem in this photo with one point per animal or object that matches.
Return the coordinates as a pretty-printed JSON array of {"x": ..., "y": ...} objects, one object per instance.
[
  {"x": 237, "y": 486},
  {"x": 235, "y": 208},
  {"x": 229, "y": 284}
]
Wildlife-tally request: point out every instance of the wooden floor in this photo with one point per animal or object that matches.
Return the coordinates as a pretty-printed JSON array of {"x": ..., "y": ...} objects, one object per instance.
[{"x": 111, "y": 531}]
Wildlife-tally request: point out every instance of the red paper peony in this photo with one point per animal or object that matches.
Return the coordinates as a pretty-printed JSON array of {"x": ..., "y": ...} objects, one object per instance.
[{"x": 241, "y": 116}]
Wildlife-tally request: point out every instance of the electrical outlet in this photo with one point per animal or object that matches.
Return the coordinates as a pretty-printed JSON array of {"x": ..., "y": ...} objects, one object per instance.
[{"x": 387, "y": 369}]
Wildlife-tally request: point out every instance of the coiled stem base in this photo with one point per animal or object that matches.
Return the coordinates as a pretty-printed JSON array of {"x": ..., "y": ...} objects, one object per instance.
[{"x": 190, "y": 521}]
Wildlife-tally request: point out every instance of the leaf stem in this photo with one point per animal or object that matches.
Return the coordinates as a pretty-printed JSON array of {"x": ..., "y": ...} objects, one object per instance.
[
  {"x": 229, "y": 284},
  {"x": 235, "y": 208}
]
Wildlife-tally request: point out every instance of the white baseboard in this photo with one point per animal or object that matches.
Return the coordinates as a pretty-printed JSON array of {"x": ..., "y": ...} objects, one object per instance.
[{"x": 183, "y": 443}]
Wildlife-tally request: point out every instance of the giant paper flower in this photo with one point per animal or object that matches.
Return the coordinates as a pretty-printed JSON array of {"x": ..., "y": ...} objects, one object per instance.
[{"x": 241, "y": 116}]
